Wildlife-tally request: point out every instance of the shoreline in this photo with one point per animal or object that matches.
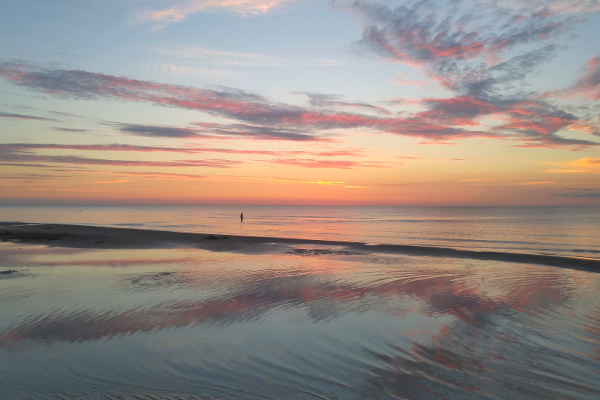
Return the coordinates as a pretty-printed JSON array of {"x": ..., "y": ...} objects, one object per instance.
[{"x": 100, "y": 237}]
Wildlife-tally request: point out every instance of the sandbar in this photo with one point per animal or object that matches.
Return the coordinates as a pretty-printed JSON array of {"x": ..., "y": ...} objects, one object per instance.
[{"x": 101, "y": 237}]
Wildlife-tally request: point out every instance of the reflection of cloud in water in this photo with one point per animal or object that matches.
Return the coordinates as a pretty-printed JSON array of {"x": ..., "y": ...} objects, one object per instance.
[
  {"x": 12, "y": 255},
  {"x": 496, "y": 362},
  {"x": 230, "y": 296},
  {"x": 370, "y": 326}
]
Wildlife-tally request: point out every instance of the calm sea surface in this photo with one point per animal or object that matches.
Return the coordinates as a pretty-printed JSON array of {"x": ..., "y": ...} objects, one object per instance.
[
  {"x": 573, "y": 231},
  {"x": 306, "y": 322}
]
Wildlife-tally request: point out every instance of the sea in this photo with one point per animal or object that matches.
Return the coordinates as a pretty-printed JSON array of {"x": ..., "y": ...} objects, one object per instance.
[
  {"x": 307, "y": 321},
  {"x": 572, "y": 231}
]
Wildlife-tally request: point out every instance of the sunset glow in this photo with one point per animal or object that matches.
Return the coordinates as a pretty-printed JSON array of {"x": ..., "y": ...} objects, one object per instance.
[{"x": 300, "y": 102}]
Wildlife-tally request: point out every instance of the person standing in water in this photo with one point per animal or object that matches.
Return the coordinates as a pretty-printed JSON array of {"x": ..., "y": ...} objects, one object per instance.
[{"x": 242, "y": 217}]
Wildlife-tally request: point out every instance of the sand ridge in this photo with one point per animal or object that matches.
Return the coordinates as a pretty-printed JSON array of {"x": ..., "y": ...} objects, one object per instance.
[{"x": 100, "y": 237}]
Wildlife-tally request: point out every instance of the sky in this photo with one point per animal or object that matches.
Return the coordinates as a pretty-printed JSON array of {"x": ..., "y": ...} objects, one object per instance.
[{"x": 304, "y": 102}]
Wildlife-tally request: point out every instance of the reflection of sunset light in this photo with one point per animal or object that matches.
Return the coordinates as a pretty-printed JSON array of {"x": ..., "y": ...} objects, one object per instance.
[{"x": 405, "y": 315}]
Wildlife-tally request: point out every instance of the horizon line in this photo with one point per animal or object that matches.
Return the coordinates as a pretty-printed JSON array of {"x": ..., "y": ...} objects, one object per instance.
[{"x": 167, "y": 204}]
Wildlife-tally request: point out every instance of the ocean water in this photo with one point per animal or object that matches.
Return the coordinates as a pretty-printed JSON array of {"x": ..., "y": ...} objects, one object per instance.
[
  {"x": 567, "y": 231},
  {"x": 304, "y": 321}
]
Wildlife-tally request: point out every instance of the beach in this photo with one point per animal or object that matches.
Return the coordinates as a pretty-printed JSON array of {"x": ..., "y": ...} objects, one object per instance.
[
  {"x": 118, "y": 313},
  {"x": 300, "y": 200}
]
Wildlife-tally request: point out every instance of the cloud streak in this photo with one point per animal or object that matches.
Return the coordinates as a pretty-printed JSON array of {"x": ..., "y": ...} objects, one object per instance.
[
  {"x": 233, "y": 59},
  {"x": 531, "y": 122},
  {"x": 324, "y": 164},
  {"x": 483, "y": 56},
  {"x": 582, "y": 193},
  {"x": 33, "y": 160},
  {"x": 29, "y": 147},
  {"x": 222, "y": 178},
  {"x": 182, "y": 9},
  {"x": 586, "y": 165},
  {"x": 23, "y": 117},
  {"x": 26, "y": 155}
]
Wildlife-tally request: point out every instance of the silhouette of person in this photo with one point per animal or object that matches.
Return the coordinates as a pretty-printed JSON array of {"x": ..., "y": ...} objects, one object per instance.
[{"x": 241, "y": 216}]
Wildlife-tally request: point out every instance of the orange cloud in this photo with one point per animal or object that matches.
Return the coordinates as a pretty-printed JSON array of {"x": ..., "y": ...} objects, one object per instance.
[
  {"x": 586, "y": 165},
  {"x": 115, "y": 181},
  {"x": 327, "y": 183},
  {"x": 219, "y": 178},
  {"x": 536, "y": 183},
  {"x": 477, "y": 180}
]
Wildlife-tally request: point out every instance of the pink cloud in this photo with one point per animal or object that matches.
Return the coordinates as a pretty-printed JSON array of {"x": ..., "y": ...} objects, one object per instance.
[
  {"x": 404, "y": 81},
  {"x": 532, "y": 122},
  {"x": 589, "y": 84},
  {"x": 180, "y": 10}
]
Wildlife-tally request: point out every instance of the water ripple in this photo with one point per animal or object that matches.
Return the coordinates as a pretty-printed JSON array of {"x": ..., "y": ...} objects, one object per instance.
[{"x": 289, "y": 326}]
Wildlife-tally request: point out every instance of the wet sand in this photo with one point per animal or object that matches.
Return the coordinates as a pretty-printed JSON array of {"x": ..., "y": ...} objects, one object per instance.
[{"x": 97, "y": 237}]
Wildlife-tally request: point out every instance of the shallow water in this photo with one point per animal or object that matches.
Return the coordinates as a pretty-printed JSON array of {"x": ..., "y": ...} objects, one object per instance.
[
  {"x": 565, "y": 231},
  {"x": 144, "y": 324}
]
